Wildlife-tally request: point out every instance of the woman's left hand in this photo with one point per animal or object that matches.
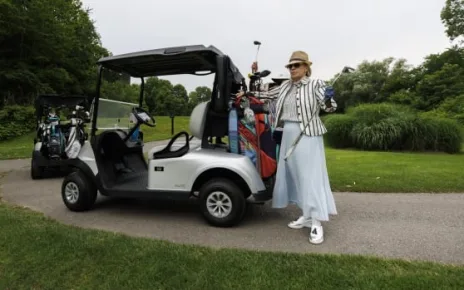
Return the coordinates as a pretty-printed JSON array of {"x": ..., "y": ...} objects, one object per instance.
[{"x": 329, "y": 92}]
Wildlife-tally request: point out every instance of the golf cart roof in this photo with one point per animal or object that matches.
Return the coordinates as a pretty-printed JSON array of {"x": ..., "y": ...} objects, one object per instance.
[{"x": 168, "y": 61}]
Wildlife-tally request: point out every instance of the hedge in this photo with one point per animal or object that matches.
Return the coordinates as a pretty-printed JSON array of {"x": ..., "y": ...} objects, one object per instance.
[
  {"x": 16, "y": 121},
  {"x": 389, "y": 127}
]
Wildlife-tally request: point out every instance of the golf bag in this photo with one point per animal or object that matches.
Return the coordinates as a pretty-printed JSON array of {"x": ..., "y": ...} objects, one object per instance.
[
  {"x": 255, "y": 138},
  {"x": 53, "y": 138}
]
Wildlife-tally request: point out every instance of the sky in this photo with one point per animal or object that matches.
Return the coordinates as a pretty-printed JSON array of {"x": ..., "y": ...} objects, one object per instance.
[{"x": 334, "y": 33}]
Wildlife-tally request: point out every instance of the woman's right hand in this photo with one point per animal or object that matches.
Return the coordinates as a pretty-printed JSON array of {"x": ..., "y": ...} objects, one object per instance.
[{"x": 254, "y": 67}]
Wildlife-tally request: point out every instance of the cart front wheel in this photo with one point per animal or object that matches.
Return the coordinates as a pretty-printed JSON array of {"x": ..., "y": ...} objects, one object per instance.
[
  {"x": 223, "y": 203},
  {"x": 78, "y": 193}
]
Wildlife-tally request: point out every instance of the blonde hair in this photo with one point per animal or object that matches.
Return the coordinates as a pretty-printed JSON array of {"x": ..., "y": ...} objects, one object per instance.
[{"x": 309, "y": 71}]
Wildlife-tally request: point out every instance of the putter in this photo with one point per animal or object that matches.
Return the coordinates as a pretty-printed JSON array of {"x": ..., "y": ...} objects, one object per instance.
[{"x": 345, "y": 69}]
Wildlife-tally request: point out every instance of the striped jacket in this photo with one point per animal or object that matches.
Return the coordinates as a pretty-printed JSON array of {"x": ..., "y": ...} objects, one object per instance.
[{"x": 310, "y": 100}]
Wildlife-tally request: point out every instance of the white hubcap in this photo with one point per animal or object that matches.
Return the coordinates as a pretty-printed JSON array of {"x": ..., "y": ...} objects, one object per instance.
[
  {"x": 219, "y": 204},
  {"x": 71, "y": 191}
]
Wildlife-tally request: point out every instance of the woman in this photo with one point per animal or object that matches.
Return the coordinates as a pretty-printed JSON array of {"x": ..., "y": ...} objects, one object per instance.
[{"x": 302, "y": 179}]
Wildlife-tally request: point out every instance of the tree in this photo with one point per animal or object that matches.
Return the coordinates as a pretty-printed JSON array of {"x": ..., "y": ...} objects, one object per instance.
[
  {"x": 48, "y": 46},
  {"x": 373, "y": 82},
  {"x": 159, "y": 96},
  {"x": 452, "y": 16},
  {"x": 180, "y": 98}
]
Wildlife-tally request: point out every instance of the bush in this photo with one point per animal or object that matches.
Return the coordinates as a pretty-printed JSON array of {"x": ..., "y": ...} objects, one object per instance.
[
  {"x": 392, "y": 127},
  {"x": 16, "y": 121},
  {"x": 435, "y": 134},
  {"x": 452, "y": 108},
  {"x": 340, "y": 128}
]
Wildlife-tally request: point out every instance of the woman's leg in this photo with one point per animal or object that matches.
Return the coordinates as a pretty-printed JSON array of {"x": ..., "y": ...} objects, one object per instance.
[
  {"x": 310, "y": 172},
  {"x": 285, "y": 175},
  {"x": 284, "y": 188}
]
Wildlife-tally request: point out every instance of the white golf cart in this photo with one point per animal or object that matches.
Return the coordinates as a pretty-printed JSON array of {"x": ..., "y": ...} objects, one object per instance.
[{"x": 114, "y": 164}]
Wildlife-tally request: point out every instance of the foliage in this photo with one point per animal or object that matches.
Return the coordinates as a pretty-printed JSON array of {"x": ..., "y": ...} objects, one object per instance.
[
  {"x": 452, "y": 16},
  {"x": 386, "y": 126},
  {"x": 47, "y": 46},
  {"x": 120, "y": 91},
  {"x": 163, "y": 98},
  {"x": 452, "y": 108},
  {"x": 425, "y": 87},
  {"x": 373, "y": 82},
  {"x": 340, "y": 127},
  {"x": 16, "y": 121}
]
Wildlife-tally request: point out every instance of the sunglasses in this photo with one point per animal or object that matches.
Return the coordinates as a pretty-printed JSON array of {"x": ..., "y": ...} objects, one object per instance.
[{"x": 294, "y": 65}]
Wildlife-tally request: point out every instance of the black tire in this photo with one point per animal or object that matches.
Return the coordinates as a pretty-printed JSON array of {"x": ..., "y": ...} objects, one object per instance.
[
  {"x": 227, "y": 190},
  {"x": 36, "y": 171},
  {"x": 86, "y": 191}
]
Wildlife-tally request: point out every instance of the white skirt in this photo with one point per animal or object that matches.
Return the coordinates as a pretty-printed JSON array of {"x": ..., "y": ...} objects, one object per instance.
[{"x": 303, "y": 179}]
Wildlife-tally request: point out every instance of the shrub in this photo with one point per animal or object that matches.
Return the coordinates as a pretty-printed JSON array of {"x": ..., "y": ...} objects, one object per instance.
[
  {"x": 392, "y": 127},
  {"x": 16, "y": 121},
  {"x": 380, "y": 126},
  {"x": 340, "y": 128},
  {"x": 435, "y": 134},
  {"x": 452, "y": 108}
]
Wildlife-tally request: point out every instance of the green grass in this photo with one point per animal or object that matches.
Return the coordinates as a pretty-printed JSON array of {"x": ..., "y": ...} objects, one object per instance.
[
  {"x": 162, "y": 131},
  {"x": 22, "y": 147},
  {"x": 349, "y": 170},
  {"x": 16, "y": 148},
  {"x": 39, "y": 253},
  {"x": 364, "y": 171}
]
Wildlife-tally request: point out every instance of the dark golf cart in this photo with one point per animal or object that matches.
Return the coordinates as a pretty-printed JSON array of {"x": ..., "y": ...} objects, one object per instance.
[
  {"x": 113, "y": 164},
  {"x": 55, "y": 140}
]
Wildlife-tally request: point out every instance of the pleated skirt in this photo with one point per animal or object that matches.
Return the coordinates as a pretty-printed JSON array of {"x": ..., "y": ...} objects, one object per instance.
[{"x": 303, "y": 179}]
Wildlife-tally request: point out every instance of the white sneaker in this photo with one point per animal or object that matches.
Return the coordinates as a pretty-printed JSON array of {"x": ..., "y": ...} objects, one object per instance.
[
  {"x": 300, "y": 223},
  {"x": 317, "y": 235}
]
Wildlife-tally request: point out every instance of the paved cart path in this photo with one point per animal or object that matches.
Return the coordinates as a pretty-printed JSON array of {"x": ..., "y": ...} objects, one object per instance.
[{"x": 410, "y": 226}]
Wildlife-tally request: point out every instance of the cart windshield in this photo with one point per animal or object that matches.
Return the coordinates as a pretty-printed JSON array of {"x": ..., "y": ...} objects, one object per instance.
[{"x": 114, "y": 115}]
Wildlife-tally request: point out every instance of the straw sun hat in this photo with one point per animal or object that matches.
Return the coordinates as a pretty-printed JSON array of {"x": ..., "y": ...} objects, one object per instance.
[{"x": 300, "y": 57}]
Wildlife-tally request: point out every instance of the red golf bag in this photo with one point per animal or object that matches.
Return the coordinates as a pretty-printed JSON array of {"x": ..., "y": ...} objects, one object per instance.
[{"x": 255, "y": 140}]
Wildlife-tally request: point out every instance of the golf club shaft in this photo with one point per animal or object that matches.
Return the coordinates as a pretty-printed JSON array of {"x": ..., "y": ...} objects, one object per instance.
[{"x": 257, "y": 51}]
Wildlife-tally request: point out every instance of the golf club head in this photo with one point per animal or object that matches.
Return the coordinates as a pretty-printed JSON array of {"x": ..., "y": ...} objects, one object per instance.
[
  {"x": 264, "y": 73},
  {"x": 257, "y": 42},
  {"x": 348, "y": 69}
]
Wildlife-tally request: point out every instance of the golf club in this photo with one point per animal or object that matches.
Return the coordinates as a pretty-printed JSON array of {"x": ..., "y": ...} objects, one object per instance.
[
  {"x": 345, "y": 69},
  {"x": 257, "y": 51}
]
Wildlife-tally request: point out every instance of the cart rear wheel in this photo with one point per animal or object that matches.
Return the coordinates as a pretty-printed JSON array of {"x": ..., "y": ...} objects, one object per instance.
[
  {"x": 36, "y": 170},
  {"x": 223, "y": 203},
  {"x": 78, "y": 192}
]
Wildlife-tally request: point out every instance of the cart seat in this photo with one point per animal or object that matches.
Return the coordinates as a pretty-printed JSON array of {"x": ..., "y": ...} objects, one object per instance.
[{"x": 178, "y": 149}]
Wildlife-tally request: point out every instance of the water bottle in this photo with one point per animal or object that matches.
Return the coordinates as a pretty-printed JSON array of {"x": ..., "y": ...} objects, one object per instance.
[{"x": 233, "y": 131}]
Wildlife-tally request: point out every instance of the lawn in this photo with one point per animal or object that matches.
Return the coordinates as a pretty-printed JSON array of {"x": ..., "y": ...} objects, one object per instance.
[
  {"x": 39, "y": 253},
  {"x": 361, "y": 171},
  {"x": 22, "y": 147},
  {"x": 349, "y": 170}
]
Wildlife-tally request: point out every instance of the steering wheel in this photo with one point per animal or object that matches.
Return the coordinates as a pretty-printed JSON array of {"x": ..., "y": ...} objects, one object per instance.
[{"x": 143, "y": 117}]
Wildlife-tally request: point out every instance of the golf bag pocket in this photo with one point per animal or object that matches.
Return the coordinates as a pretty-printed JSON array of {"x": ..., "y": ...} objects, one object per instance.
[
  {"x": 54, "y": 147},
  {"x": 277, "y": 135}
]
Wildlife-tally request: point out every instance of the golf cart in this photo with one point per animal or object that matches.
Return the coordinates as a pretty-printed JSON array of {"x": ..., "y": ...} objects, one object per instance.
[
  {"x": 223, "y": 181},
  {"x": 57, "y": 142}
]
